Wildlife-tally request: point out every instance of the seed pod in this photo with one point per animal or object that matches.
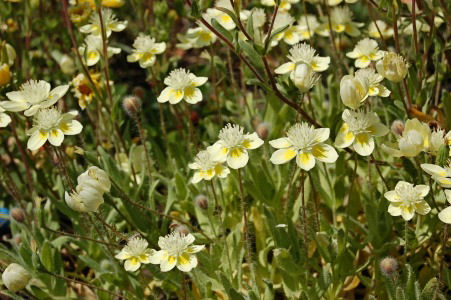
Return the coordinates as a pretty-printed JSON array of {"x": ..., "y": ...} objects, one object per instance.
[
  {"x": 202, "y": 201},
  {"x": 18, "y": 214},
  {"x": 132, "y": 105},
  {"x": 388, "y": 266},
  {"x": 262, "y": 130}
]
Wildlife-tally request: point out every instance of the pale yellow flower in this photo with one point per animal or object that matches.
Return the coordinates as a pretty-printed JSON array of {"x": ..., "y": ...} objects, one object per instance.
[
  {"x": 359, "y": 129},
  {"x": 290, "y": 35},
  {"x": 307, "y": 25},
  {"x": 306, "y": 144},
  {"x": 365, "y": 52},
  {"x": 206, "y": 168},
  {"x": 285, "y": 5},
  {"x": 341, "y": 21},
  {"x": 385, "y": 30},
  {"x": 93, "y": 50},
  {"x": 176, "y": 251},
  {"x": 135, "y": 253},
  {"x": 4, "y": 118},
  {"x": 373, "y": 81},
  {"x": 109, "y": 21},
  {"x": 198, "y": 37},
  {"x": 415, "y": 139},
  {"x": 145, "y": 51},
  {"x": 392, "y": 66},
  {"x": 353, "y": 90},
  {"x": 406, "y": 199},
  {"x": 15, "y": 277}
]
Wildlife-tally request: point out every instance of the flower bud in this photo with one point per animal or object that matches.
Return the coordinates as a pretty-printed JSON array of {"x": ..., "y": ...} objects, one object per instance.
[
  {"x": 388, "y": 266},
  {"x": 304, "y": 78},
  {"x": 353, "y": 91},
  {"x": 202, "y": 201},
  {"x": 393, "y": 67},
  {"x": 96, "y": 178},
  {"x": 17, "y": 214},
  {"x": 15, "y": 277},
  {"x": 397, "y": 127},
  {"x": 132, "y": 105},
  {"x": 5, "y": 75},
  {"x": 262, "y": 130},
  {"x": 182, "y": 229},
  {"x": 85, "y": 198}
]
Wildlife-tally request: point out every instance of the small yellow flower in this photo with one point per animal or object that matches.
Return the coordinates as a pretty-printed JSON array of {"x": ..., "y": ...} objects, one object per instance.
[
  {"x": 145, "y": 51},
  {"x": 181, "y": 84},
  {"x": 110, "y": 24},
  {"x": 82, "y": 89},
  {"x": 306, "y": 144},
  {"x": 93, "y": 50},
  {"x": 341, "y": 21},
  {"x": 353, "y": 90},
  {"x": 291, "y": 35},
  {"x": 442, "y": 175},
  {"x": 359, "y": 129},
  {"x": 135, "y": 253},
  {"x": 415, "y": 138},
  {"x": 365, "y": 52},
  {"x": 406, "y": 199},
  {"x": 207, "y": 168},
  {"x": 233, "y": 145},
  {"x": 176, "y": 251},
  {"x": 384, "y": 29},
  {"x": 307, "y": 26},
  {"x": 50, "y": 124},
  {"x": 198, "y": 37}
]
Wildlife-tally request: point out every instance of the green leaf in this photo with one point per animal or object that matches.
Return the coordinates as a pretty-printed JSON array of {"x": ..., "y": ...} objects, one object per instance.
[
  {"x": 224, "y": 32},
  {"x": 46, "y": 256},
  {"x": 253, "y": 55},
  {"x": 276, "y": 32}
]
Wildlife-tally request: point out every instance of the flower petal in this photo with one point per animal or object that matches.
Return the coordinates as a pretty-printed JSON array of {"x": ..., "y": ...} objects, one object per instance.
[
  {"x": 324, "y": 153},
  {"x": 280, "y": 143},
  {"x": 122, "y": 255},
  {"x": 345, "y": 138},
  {"x": 186, "y": 262},
  {"x": 394, "y": 210},
  {"x": 422, "y": 208},
  {"x": 192, "y": 95},
  {"x": 282, "y": 156},
  {"x": 433, "y": 170},
  {"x": 445, "y": 215},
  {"x": 37, "y": 139},
  {"x": 168, "y": 263},
  {"x": 422, "y": 189},
  {"x": 364, "y": 144},
  {"x": 305, "y": 160},
  {"x": 237, "y": 158},
  {"x": 71, "y": 128},
  {"x": 132, "y": 264},
  {"x": 407, "y": 213},
  {"x": 56, "y": 137},
  {"x": 158, "y": 256},
  {"x": 321, "y": 134},
  {"x": 285, "y": 68},
  {"x": 392, "y": 196},
  {"x": 252, "y": 141}
]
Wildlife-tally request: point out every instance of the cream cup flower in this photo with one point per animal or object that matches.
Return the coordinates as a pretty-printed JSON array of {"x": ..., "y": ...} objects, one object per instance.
[
  {"x": 85, "y": 198},
  {"x": 304, "y": 78},
  {"x": 50, "y": 124},
  {"x": 414, "y": 139},
  {"x": 4, "y": 118},
  {"x": 207, "y": 168},
  {"x": 442, "y": 175},
  {"x": 93, "y": 50},
  {"x": 365, "y": 52},
  {"x": 181, "y": 84},
  {"x": 176, "y": 251},
  {"x": 341, "y": 21},
  {"x": 145, "y": 51},
  {"x": 303, "y": 54},
  {"x": 359, "y": 129},
  {"x": 96, "y": 178},
  {"x": 406, "y": 199},
  {"x": 306, "y": 144},
  {"x": 224, "y": 19},
  {"x": 290, "y": 35},
  {"x": 135, "y": 253},
  {"x": 109, "y": 21},
  {"x": 285, "y": 5},
  {"x": 32, "y": 96},
  {"x": 392, "y": 66},
  {"x": 233, "y": 145},
  {"x": 198, "y": 37},
  {"x": 373, "y": 81},
  {"x": 386, "y": 30},
  {"x": 353, "y": 90},
  {"x": 307, "y": 26},
  {"x": 15, "y": 277}
]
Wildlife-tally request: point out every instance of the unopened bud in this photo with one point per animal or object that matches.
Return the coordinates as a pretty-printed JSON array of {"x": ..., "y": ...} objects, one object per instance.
[
  {"x": 202, "y": 201},
  {"x": 397, "y": 127},
  {"x": 388, "y": 266},
  {"x": 262, "y": 130},
  {"x": 138, "y": 91},
  {"x": 18, "y": 214},
  {"x": 132, "y": 105},
  {"x": 15, "y": 277},
  {"x": 182, "y": 229}
]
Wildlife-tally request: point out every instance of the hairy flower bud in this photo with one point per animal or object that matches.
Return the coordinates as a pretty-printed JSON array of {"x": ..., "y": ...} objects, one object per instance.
[
  {"x": 397, "y": 127},
  {"x": 393, "y": 67},
  {"x": 17, "y": 214},
  {"x": 96, "y": 178},
  {"x": 132, "y": 105},
  {"x": 15, "y": 277},
  {"x": 353, "y": 91},
  {"x": 262, "y": 130},
  {"x": 202, "y": 201},
  {"x": 388, "y": 266}
]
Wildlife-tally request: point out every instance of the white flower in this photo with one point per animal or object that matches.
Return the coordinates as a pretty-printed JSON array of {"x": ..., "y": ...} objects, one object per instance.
[
  {"x": 304, "y": 54},
  {"x": 135, "y": 253},
  {"x": 15, "y": 277},
  {"x": 96, "y": 178},
  {"x": 365, "y": 52},
  {"x": 32, "y": 96},
  {"x": 93, "y": 50},
  {"x": 383, "y": 27},
  {"x": 198, "y": 37},
  {"x": 176, "y": 251},
  {"x": 110, "y": 23},
  {"x": 233, "y": 145},
  {"x": 392, "y": 66},
  {"x": 353, "y": 90},
  {"x": 145, "y": 51},
  {"x": 290, "y": 35},
  {"x": 406, "y": 199},
  {"x": 181, "y": 84},
  {"x": 373, "y": 80},
  {"x": 207, "y": 168},
  {"x": 85, "y": 198},
  {"x": 445, "y": 215},
  {"x": 442, "y": 175},
  {"x": 4, "y": 118},
  {"x": 341, "y": 21},
  {"x": 304, "y": 78},
  {"x": 306, "y": 144},
  {"x": 50, "y": 124},
  {"x": 415, "y": 138},
  {"x": 285, "y": 5},
  {"x": 359, "y": 129},
  {"x": 224, "y": 19},
  {"x": 307, "y": 26}
]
